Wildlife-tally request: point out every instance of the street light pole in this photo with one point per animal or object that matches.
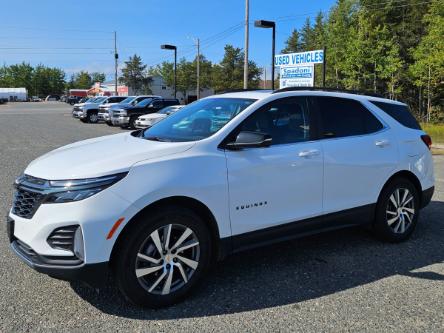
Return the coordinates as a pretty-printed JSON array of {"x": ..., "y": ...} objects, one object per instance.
[
  {"x": 272, "y": 25},
  {"x": 172, "y": 47},
  {"x": 247, "y": 23}
]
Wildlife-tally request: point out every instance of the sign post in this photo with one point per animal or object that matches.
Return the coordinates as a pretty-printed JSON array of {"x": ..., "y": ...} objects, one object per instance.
[{"x": 297, "y": 69}]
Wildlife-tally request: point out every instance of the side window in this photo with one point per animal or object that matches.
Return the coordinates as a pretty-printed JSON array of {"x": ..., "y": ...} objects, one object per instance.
[
  {"x": 343, "y": 117},
  {"x": 158, "y": 104},
  {"x": 287, "y": 120}
]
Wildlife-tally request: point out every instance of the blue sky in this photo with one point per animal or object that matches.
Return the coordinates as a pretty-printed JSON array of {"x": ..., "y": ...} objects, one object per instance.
[{"x": 77, "y": 35}]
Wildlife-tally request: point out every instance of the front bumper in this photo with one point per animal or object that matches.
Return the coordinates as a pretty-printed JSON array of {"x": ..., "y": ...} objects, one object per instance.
[
  {"x": 120, "y": 120},
  {"x": 76, "y": 113},
  {"x": 142, "y": 124},
  {"x": 62, "y": 268},
  {"x": 104, "y": 116}
]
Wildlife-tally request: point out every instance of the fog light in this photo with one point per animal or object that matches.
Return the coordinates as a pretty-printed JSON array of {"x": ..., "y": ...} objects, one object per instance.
[{"x": 79, "y": 250}]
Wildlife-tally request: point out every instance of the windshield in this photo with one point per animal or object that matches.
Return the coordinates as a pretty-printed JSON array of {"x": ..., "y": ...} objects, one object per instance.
[
  {"x": 145, "y": 102},
  {"x": 127, "y": 100},
  {"x": 198, "y": 120},
  {"x": 100, "y": 99}
]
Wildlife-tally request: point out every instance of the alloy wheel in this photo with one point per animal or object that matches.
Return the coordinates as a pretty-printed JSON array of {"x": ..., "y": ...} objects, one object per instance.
[
  {"x": 93, "y": 118},
  {"x": 167, "y": 259},
  {"x": 400, "y": 210}
]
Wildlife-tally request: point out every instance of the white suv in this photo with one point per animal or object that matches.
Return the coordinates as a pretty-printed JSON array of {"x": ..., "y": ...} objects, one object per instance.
[{"x": 154, "y": 208}]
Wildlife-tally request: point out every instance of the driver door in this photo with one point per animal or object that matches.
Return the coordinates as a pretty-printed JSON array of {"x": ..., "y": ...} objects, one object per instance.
[{"x": 282, "y": 183}]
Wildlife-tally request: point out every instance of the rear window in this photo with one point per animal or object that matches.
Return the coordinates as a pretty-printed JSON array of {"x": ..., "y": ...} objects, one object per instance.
[{"x": 401, "y": 113}]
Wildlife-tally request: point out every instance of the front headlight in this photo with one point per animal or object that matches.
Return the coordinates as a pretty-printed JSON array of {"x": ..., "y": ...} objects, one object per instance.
[
  {"x": 79, "y": 189},
  {"x": 122, "y": 112}
]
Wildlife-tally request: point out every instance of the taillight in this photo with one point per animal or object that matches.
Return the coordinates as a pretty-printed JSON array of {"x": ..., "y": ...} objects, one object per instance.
[{"x": 427, "y": 140}]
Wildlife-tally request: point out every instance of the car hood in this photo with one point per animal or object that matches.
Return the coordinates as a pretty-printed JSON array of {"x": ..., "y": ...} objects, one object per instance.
[
  {"x": 100, "y": 156},
  {"x": 152, "y": 116}
]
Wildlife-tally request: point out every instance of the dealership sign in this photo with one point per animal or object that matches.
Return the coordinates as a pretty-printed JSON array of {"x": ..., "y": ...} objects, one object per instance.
[
  {"x": 297, "y": 69},
  {"x": 301, "y": 58},
  {"x": 297, "y": 76}
]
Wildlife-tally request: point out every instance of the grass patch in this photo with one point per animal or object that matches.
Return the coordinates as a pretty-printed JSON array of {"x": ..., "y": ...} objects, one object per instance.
[{"x": 436, "y": 131}]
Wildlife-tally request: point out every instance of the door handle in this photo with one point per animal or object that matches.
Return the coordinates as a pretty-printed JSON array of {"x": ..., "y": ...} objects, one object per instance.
[
  {"x": 309, "y": 153},
  {"x": 382, "y": 143}
]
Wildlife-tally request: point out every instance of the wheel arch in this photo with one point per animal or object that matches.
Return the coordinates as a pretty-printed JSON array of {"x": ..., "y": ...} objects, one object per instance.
[
  {"x": 406, "y": 174},
  {"x": 181, "y": 201}
]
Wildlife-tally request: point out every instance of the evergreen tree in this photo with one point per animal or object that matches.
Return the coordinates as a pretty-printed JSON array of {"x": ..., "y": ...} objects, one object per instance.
[
  {"x": 229, "y": 73},
  {"x": 133, "y": 74}
]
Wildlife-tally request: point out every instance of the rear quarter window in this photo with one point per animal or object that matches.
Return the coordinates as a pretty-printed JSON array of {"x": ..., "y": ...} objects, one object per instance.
[{"x": 401, "y": 113}]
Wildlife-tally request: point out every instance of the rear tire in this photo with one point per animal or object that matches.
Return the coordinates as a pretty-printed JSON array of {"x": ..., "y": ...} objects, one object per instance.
[
  {"x": 154, "y": 267},
  {"x": 397, "y": 211}
]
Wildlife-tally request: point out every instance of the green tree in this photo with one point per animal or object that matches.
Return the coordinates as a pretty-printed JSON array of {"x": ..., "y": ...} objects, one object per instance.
[
  {"x": 134, "y": 75},
  {"x": 293, "y": 43},
  {"x": 228, "y": 74},
  {"x": 98, "y": 77},
  {"x": 83, "y": 80},
  {"x": 428, "y": 68}
]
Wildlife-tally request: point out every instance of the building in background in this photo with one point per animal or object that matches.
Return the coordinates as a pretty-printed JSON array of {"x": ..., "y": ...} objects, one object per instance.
[
  {"x": 107, "y": 89},
  {"x": 14, "y": 94},
  {"x": 159, "y": 87}
]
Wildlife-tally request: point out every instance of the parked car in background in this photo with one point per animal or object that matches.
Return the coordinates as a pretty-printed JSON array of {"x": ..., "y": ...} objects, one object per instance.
[
  {"x": 36, "y": 99},
  {"x": 89, "y": 111},
  {"x": 149, "y": 120},
  {"x": 130, "y": 101},
  {"x": 73, "y": 100},
  {"x": 50, "y": 98},
  {"x": 103, "y": 108},
  {"x": 126, "y": 116},
  {"x": 78, "y": 107}
]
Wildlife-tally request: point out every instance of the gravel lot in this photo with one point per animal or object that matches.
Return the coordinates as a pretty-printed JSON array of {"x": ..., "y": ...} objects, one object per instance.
[{"x": 340, "y": 281}]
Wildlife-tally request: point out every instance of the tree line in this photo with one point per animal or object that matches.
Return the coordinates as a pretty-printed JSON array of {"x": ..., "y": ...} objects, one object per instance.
[
  {"x": 388, "y": 47},
  {"x": 42, "y": 80}
]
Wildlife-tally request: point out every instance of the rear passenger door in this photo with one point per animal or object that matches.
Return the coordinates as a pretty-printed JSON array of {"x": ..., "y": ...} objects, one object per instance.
[{"x": 359, "y": 153}]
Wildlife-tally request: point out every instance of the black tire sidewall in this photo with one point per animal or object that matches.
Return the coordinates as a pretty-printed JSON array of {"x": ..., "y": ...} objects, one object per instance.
[
  {"x": 124, "y": 265},
  {"x": 381, "y": 226}
]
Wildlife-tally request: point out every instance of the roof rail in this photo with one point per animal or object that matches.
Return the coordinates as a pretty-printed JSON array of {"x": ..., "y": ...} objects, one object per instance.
[
  {"x": 355, "y": 92},
  {"x": 241, "y": 90}
]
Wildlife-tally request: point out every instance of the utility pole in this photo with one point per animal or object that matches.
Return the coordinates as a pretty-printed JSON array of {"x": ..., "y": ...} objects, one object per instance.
[
  {"x": 247, "y": 23},
  {"x": 116, "y": 57},
  {"x": 198, "y": 70}
]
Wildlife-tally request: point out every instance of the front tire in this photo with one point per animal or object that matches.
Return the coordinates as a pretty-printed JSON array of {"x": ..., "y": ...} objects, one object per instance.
[
  {"x": 397, "y": 211},
  {"x": 92, "y": 117},
  {"x": 162, "y": 257}
]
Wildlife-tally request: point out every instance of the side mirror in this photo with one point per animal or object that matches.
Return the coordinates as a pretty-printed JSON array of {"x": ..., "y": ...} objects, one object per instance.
[{"x": 250, "y": 140}]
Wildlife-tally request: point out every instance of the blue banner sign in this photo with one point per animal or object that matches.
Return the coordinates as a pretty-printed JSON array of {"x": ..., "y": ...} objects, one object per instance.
[{"x": 300, "y": 58}]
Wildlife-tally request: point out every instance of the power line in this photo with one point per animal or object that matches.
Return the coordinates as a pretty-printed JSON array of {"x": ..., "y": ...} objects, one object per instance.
[{"x": 56, "y": 48}]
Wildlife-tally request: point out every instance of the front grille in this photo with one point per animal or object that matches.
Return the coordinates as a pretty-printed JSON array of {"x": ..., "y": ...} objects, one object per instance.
[
  {"x": 26, "y": 202},
  {"x": 63, "y": 238}
]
